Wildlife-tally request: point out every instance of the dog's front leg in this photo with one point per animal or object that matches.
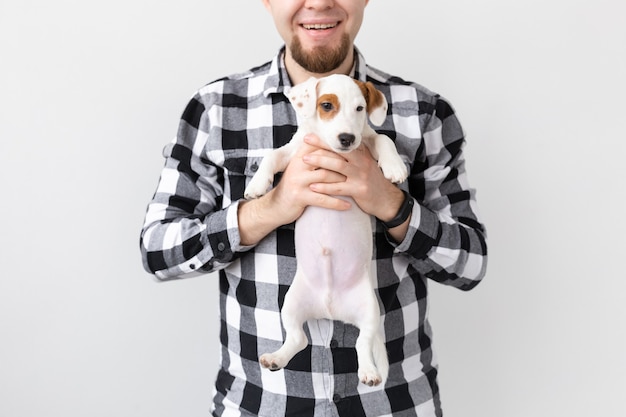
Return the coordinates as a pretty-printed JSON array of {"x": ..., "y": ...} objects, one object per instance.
[
  {"x": 275, "y": 161},
  {"x": 384, "y": 151}
]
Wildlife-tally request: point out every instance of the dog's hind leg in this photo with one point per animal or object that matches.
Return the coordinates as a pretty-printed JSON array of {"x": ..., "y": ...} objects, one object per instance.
[
  {"x": 293, "y": 314},
  {"x": 372, "y": 356},
  {"x": 370, "y": 348},
  {"x": 295, "y": 341},
  {"x": 381, "y": 358}
]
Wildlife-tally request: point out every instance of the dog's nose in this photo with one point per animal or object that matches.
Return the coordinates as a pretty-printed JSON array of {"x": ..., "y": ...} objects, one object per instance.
[{"x": 346, "y": 139}]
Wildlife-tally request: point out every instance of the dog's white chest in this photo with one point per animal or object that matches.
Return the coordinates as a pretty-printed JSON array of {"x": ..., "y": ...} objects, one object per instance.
[{"x": 334, "y": 248}]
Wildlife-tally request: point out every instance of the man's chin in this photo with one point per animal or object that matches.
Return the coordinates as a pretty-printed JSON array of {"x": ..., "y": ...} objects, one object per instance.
[{"x": 320, "y": 59}]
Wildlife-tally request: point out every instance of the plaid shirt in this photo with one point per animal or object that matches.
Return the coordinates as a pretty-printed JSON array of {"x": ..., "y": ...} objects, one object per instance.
[{"x": 191, "y": 228}]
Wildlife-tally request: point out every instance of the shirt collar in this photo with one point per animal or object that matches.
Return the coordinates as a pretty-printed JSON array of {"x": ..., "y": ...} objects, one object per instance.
[{"x": 278, "y": 80}]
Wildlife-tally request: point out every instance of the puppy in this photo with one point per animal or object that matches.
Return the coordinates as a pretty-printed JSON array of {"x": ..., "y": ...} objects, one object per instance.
[{"x": 334, "y": 248}]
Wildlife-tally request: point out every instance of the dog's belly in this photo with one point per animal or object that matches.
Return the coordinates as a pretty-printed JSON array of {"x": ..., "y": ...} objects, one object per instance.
[{"x": 334, "y": 248}]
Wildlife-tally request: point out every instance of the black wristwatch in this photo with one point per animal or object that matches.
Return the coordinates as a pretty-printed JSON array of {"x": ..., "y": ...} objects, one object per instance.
[{"x": 405, "y": 211}]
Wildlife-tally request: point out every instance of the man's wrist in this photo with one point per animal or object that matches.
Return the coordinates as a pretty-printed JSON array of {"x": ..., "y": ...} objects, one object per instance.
[
  {"x": 253, "y": 225},
  {"x": 260, "y": 216},
  {"x": 403, "y": 213}
]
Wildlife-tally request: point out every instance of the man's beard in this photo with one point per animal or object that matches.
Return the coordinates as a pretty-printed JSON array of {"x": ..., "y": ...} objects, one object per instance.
[{"x": 323, "y": 59}]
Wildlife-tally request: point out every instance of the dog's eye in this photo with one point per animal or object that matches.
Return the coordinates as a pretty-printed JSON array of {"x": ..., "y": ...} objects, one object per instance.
[
  {"x": 360, "y": 108},
  {"x": 327, "y": 106}
]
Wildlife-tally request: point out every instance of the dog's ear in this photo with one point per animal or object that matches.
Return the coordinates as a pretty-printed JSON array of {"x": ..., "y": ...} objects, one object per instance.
[
  {"x": 376, "y": 102},
  {"x": 303, "y": 97}
]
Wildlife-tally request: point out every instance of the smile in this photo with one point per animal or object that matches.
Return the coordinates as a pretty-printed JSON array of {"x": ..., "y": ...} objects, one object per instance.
[{"x": 319, "y": 26}]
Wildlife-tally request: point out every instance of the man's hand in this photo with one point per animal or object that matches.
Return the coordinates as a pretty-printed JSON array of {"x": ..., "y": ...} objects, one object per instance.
[
  {"x": 286, "y": 202},
  {"x": 362, "y": 180},
  {"x": 294, "y": 192}
]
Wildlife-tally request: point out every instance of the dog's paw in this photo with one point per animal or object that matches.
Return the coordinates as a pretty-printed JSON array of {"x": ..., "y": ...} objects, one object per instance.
[
  {"x": 257, "y": 187},
  {"x": 396, "y": 172},
  {"x": 369, "y": 376},
  {"x": 393, "y": 168},
  {"x": 271, "y": 361}
]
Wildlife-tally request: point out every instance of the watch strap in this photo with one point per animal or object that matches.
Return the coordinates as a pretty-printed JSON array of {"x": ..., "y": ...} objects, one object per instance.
[{"x": 403, "y": 213}]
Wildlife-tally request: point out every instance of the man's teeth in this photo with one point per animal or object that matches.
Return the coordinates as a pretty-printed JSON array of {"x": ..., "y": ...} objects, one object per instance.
[{"x": 320, "y": 26}]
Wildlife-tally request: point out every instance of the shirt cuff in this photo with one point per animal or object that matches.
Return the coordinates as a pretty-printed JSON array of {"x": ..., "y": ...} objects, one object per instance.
[
  {"x": 422, "y": 233},
  {"x": 232, "y": 226}
]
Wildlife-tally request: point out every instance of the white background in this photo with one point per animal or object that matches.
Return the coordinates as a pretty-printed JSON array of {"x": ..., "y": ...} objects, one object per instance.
[{"x": 90, "y": 92}]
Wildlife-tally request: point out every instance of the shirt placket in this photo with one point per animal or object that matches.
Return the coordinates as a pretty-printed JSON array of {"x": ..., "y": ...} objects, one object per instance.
[
  {"x": 321, "y": 332},
  {"x": 338, "y": 395}
]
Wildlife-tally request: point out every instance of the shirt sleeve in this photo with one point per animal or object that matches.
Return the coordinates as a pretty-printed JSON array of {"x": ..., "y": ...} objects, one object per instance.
[
  {"x": 186, "y": 230},
  {"x": 446, "y": 240}
]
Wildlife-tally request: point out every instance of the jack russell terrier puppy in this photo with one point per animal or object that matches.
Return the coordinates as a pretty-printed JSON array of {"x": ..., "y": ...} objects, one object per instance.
[{"x": 334, "y": 248}]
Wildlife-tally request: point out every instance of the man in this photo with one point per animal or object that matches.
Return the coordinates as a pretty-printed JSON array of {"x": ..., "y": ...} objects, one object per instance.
[{"x": 198, "y": 222}]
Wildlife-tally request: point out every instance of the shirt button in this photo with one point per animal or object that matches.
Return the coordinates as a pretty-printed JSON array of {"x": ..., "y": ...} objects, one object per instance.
[
  {"x": 221, "y": 246},
  {"x": 336, "y": 398},
  {"x": 254, "y": 167},
  {"x": 192, "y": 266},
  {"x": 334, "y": 344}
]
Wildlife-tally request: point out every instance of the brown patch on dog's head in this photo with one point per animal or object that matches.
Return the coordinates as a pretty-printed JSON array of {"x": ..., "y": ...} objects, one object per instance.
[{"x": 328, "y": 106}]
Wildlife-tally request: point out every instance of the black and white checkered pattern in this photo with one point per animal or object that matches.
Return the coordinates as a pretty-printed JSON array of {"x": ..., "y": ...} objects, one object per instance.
[{"x": 191, "y": 228}]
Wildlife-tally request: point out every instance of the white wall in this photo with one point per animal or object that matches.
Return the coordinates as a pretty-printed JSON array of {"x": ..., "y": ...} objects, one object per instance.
[{"x": 90, "y": 92}]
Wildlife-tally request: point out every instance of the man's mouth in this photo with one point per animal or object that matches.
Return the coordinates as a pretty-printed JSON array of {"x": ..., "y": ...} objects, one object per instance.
[{"x": 319, "y": 26}]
